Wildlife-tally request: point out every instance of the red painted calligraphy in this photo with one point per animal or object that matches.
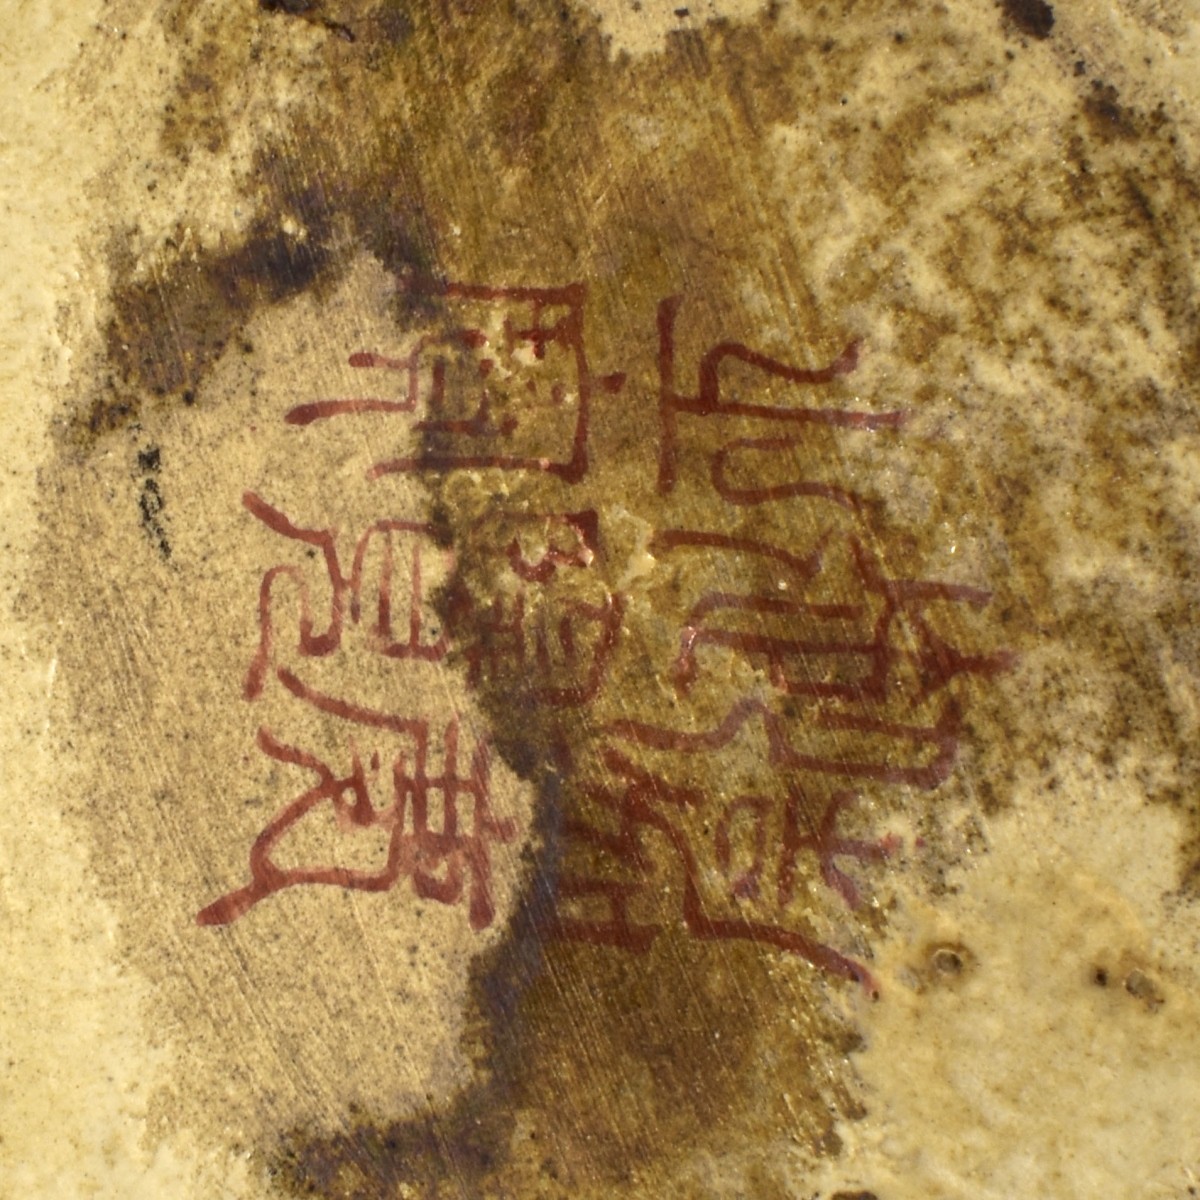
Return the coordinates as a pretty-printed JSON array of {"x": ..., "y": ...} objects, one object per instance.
[
  {"x": 709, "y": 401},
  {"x": 641, "y": 805},
  {"x": 505, "y": 384},
  {"x": 845, "y": 651},
  {"x": 441, "y": 853},
  {"x": 346, "y": 599},
  {"x": 846, "y": 674}
]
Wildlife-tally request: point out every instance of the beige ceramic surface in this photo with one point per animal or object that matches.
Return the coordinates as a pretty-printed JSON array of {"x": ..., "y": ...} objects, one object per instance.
[{"x": 206, "y": 210}]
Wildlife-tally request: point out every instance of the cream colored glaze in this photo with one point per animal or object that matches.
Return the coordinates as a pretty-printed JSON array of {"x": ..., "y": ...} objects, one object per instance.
[{"x": 1019, "y": 1075}]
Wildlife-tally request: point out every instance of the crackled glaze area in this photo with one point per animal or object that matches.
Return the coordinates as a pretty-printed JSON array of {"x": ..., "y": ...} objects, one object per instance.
[{"x": 602, "y": 596}]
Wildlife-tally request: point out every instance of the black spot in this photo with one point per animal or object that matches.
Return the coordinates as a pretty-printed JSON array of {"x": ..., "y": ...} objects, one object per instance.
[
  {"x": 1033, "y": 17},
  {"x": 149, "y": 459},
  {"x": 151, "y": 501},
  {"x": 1100, "y": 977},
  {"x": 150, "y": 506}
]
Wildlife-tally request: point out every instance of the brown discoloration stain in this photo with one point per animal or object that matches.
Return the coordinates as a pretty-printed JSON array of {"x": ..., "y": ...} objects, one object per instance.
[
  {"x": 685, "y": 1069},
  {"x": 598, "y": 1072},
  {"x": 166, "y": 332},
  {"x": 313, "y": 12},
  {"x": 194, "y": 122},
  {"x": 1109, "y": 119}
]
